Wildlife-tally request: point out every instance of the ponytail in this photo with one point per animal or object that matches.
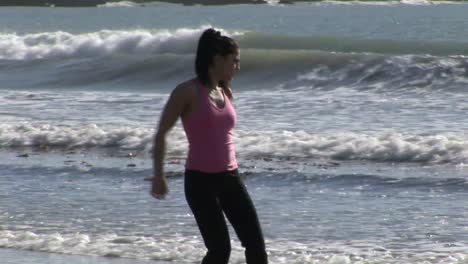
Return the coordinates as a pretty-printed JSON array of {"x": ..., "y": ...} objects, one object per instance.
[{"x": 210, "y": 44}]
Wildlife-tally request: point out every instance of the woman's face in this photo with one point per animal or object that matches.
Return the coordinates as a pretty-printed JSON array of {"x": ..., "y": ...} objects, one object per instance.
[{"x": 227, "y": 66}]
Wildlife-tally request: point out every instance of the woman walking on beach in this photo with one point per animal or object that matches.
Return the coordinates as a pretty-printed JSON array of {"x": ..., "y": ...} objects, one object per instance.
[{"x": 212, "y": 183}]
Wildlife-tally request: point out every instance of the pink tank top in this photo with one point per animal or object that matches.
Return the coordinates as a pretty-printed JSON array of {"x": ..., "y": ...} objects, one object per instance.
[{"x": 209, "y": 134}]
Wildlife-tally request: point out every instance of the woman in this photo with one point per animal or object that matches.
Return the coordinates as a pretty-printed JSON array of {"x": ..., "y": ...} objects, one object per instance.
[{"x": 212, "y": 182}]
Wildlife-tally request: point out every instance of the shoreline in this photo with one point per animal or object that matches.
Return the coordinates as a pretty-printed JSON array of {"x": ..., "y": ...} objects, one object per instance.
[
  {"x": 53, "y": 3},
  {"x": 96, "y": 3}
]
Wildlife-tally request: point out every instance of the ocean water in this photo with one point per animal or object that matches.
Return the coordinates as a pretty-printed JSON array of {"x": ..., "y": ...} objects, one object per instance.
[{"x": 350, "y": 138}]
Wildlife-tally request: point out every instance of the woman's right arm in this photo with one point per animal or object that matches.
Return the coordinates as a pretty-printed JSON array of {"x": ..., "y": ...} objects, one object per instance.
[{"x": 175, "y": 106}]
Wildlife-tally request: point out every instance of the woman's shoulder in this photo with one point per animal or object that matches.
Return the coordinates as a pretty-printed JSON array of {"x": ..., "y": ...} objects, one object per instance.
[{"x": 186, "y": 88}]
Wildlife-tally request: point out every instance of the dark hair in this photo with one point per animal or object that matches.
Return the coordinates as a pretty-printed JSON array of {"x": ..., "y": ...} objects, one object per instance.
[{"x": 210, "y": 44}]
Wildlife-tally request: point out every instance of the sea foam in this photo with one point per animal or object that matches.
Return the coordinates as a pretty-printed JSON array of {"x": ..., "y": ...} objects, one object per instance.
[
  {"x": 190, "y": 249},
  {"x": 378, "y": 146},
  {"x": 120, "y": 4},
  {"x": 63, "y": 44},
  {"x": 60, "y": 44}
]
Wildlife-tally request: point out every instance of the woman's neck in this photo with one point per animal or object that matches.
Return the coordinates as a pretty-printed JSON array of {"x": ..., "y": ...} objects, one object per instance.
[{"x": 212, "y": 83}]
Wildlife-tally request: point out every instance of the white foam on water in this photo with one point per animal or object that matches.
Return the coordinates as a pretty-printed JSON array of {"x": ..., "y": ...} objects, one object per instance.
[
  {"x": 120, "y": 4},
  {"x": 391, "y": 146},
  {"x": 181, "y": 249},
  {"x": 72, "y": 137},
  {"x": 416, "y": 2},
  {"x": 378, "y": 146},
  {"x": 388, "y": 3},
  {"x": 107, "y": 245},
  {"x": 61, "y": 44},
  {"x": 383, "y": 3}
]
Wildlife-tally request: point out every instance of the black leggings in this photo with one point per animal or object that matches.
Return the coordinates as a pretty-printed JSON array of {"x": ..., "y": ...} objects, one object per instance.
[{"x": 211, "y": 194}]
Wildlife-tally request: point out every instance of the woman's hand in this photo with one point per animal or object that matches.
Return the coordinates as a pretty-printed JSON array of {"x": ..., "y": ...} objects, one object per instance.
[{"x": 159, "y": 187}]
